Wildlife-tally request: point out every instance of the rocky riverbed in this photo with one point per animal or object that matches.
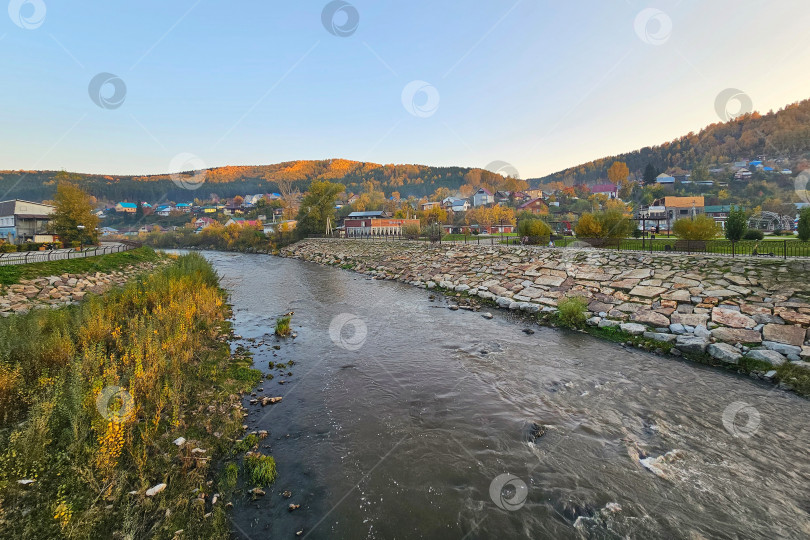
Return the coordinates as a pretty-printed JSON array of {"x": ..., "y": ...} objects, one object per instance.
[
  {"x": 64, "y": 289},
  {"x": 724, "y": 307}
]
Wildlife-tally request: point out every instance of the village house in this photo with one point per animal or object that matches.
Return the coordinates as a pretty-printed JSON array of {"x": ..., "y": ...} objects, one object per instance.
[
  {"x": 482, "y": 197},
  {"x": 374, "y": 223},
  {"x": 126, "y": 208},
  {"x": 535, "y": 206},
  {"x": 535, "y": 194},
  {"x": 242, "y": 222},
  {"x": 665, "y": 179},
  {"x": 610, "y": 190},
  {"x": 719, "y": 213},
  {"x": 682, "y": 208},
  {"x": 25, "y": 221},
  {"x": 429, "y": 205}
]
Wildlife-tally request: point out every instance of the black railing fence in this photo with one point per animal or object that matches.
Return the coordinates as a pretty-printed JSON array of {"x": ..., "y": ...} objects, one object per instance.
[
  {"x": 776, "y": 248},
  {"x": 25, "y": 257}
]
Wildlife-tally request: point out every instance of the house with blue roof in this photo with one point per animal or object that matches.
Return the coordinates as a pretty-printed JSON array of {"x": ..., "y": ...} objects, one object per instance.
[{"x": 126, "y": 208}]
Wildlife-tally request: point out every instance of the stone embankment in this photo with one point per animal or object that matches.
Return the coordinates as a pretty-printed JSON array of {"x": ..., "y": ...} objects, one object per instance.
[
  {"x": 65, "y": 289},
  {"x": 724, "y": 307}
]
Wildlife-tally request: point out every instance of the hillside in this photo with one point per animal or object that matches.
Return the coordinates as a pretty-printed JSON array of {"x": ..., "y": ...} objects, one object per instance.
[
  {"x": 782, "y": 136},
  {"x": 417, "y": 180}
]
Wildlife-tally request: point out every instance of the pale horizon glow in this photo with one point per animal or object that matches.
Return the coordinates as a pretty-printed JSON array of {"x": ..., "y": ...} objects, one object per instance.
[{"x": 539, "y": 85}]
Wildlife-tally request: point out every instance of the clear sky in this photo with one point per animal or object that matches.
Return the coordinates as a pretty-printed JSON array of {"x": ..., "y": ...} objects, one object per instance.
[{"x": 542, "y": 85}]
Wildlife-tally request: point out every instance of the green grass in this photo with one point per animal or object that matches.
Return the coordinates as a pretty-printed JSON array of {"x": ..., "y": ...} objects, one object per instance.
[
  {"x": 572, "y": 311},
  {"x": 775, "y": 245},
  {"x": 173, "y": 360},
  {"x": 283, "y": 326},
  {"x": 9, "y": 275},
  {"x": 260, "y": 469}
]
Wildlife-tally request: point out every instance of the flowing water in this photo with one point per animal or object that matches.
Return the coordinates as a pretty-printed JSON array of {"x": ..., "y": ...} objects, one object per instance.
[{"x": 400, "y": 420}]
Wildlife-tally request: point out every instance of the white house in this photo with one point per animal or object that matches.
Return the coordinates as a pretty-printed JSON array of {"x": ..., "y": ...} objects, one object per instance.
[{"x": 483, "y": 197}]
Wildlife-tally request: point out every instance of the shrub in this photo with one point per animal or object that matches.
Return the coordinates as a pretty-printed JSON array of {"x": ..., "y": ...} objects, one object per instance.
[
  {"x": 736, "y": 224},
  {"x": 700, "y": 227},
  {"x": 535, "y": 229},
  {"x": 433, "y": 232},
  {"x": 260, "y": 469},
  {"x": 572, "y": 311},
  {"x": 588, "y": 227},
  {"x": 753, "y": 234},
  {"x": 804, "y": 225},
  {"x": 8, "y": 248},
  {"x": 608, "y": 224},
  {"x": 283, "y": 326},
  {"x": 411, "y": 232}
]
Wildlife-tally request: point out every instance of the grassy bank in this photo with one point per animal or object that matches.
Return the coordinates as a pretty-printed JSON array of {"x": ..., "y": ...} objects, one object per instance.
[
  {"x": 12, "y": 274},
  {"x": 93, "y": 396}
]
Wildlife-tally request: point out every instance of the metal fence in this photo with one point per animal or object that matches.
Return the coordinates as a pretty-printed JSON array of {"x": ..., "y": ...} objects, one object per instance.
[
  {"x": 25, "y": 257},
  {"x": 744, "y": 248}
]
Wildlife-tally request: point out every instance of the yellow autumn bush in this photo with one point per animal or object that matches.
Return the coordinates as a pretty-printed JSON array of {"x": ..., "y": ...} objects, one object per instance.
[{"x": 92, "y": 396}]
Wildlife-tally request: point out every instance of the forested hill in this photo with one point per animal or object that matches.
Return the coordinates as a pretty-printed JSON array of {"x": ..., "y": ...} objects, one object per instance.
[
  {"x": 784, "y": 134},
  {"x": 224, "y": 182}
]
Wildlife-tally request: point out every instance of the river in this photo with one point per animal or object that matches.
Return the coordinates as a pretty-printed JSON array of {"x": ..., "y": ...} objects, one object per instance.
[{"x": 401, "y": 419}]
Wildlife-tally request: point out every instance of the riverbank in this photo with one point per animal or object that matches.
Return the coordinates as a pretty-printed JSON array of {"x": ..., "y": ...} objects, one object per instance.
[
  {"x": 66, "y": 282},
  {"x": 115, "y": 412},
  {"x": 749, "y": 315}
]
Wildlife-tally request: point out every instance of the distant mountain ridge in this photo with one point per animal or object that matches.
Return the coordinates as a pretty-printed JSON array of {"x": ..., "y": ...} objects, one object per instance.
[
  {"x": 229, "y": 181},
  {"x": 784, "y": 134}
]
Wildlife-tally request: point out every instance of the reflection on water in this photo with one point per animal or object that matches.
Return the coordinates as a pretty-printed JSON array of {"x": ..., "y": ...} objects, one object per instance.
[{"x": 403, "y": 435}]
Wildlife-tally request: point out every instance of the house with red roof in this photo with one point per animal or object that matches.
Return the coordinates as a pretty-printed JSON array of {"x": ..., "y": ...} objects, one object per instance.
[
  {"x": 535, "y": 206},
  {"x": 611, "y": 190}
]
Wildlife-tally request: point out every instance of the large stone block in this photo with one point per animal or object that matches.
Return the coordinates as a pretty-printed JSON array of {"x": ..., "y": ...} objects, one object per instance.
[
  {"x": 647, "y": 291},
  {"x": 737, "y": 335},
  {"x": 724, "y": 352},
  {"x": 650, "y": 317},
  {"x": 691, "y": 344},
  {"x": 734, "y": 319},
  {"x": 784, "y": 333},
  {"x": 690, "y": 319}
]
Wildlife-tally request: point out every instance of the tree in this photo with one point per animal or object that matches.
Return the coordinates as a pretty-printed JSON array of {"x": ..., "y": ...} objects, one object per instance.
[
  {"x": 701, "y": 227},
  {"x": 588, "y": 227},
  {"x": 618, "y": 172},
  {"x": 317, "y": 206},
  {"x": 615, "y": 224},
  {"x": 74, "y": 220},
  {"x": 650, "y": 174},
  {"x": 736, "y": 224},
  {"x": 535, "y": 229},
  {"x": 804, "y": 224},
  {"x": 700, "y": 173}
]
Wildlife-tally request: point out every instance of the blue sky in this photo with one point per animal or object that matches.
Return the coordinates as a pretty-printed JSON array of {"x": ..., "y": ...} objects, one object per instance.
[{"x": 537, "y": 84}]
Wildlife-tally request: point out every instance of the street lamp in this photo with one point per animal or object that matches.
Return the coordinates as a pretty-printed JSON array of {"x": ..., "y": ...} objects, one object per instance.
[{"x": 81, "y": 236}]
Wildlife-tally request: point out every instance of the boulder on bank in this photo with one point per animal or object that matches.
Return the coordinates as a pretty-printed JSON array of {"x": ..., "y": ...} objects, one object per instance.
[
  {"x": 765, "y": 355},
  {"x": 692, "y": 344},
  {"x": 724, "y": 352},
  {"x": 634, "y": 329}
]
